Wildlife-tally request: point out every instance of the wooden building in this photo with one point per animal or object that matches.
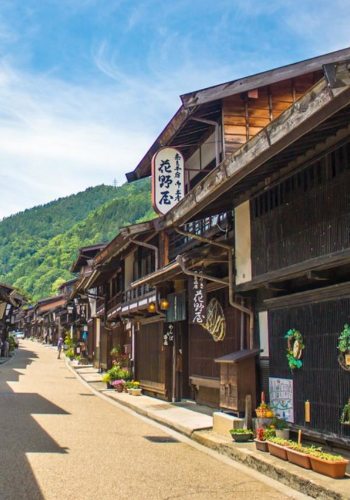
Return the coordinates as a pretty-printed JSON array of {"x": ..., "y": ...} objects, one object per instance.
[
  {"x": 122, "y": 316},
  {"x": 81, "y": 301},
  {"x": 271, "y": 151},
  {"x": 10, "y": 303}
]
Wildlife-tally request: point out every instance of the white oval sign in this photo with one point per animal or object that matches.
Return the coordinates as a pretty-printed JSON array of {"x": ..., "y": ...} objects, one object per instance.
[{"x": 168, "y": 186}]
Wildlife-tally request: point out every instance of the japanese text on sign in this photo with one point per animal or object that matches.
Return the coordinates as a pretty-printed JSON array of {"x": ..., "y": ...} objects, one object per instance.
[
  {"x": 168, "y": 186},
  {"x": 198, "y": 294},
  {"x": 281, "y": 397}
]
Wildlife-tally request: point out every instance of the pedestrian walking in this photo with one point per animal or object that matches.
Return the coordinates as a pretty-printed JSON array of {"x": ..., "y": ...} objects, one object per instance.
[{"x": 59, "y": 347}]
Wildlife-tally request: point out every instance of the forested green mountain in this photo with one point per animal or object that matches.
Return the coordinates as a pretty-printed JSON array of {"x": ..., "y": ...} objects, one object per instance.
[{"x": 38, "y": 246}]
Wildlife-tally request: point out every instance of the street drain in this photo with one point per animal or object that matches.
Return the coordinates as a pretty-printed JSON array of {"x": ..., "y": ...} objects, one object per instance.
[
  {"x": 82, "y": 394},
  {"x": 161, "y": 439}
]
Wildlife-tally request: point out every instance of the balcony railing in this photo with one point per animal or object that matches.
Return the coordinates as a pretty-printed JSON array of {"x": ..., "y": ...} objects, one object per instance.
[
  {"x": 137, "y": 292},
  {"x": 129, "y": 296},
  {"x": 209, "y": 227}
]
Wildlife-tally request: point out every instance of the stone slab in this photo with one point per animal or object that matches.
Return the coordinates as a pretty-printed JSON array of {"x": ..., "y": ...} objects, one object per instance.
[{"x": 223, "y": 423}]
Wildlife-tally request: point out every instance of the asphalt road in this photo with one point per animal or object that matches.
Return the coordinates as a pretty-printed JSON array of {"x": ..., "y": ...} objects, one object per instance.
[{"x": 60, "y": 441}]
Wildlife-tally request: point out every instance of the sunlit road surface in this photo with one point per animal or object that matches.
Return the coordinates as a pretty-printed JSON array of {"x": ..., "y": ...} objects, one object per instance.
[{"x": 60, "y": 441}]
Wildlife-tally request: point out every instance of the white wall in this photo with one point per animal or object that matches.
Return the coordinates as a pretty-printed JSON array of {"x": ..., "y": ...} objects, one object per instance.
[
  {"x": 243, "y": 243},
  {"x": 202, "y": 156},
  {"x": 264, "y": 334}
]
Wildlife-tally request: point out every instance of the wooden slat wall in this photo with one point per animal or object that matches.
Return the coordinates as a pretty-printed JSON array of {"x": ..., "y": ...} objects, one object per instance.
[
  {"x": 321, "y": 380},
  {"x": 150, "y": 353},
  {"x": 306, "y": 216},
  {"x": 244, "y": 116}
]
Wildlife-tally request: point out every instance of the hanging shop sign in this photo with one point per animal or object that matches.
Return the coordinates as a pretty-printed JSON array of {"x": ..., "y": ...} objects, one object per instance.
[
  {"x": 215, "y": 322},
  {"x": 168, "y": 180},
  {"x": 281, "y": 398},
  {"x": 197, "y": 300}
]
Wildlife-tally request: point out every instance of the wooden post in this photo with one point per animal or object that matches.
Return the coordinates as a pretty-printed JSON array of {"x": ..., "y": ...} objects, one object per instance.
[{"x": 248, "y": 412}]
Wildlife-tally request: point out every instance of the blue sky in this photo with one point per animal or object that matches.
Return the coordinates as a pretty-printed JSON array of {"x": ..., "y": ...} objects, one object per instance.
[{"x": 86, "y": 85}]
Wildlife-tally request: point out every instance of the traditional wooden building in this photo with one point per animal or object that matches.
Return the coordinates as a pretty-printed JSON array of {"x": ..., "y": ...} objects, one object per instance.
[
  {"x": 271, "y": 151},
  {"x": 46, "y": 323},
  {"x": 123, "y": 318},
  {"x": 10, "y": 303},
  {"x": 81, "y": 302}
]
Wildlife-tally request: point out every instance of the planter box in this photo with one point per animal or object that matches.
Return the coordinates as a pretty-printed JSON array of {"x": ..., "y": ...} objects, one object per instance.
[
  {"x": 242, "y": 438},
  {"x": 135, "y": 392},
  {"x": 261, "y": 445},
  {"x": 336, "y": 470},
  {"x": 298, "y": 458},
  {"x": 277, "y": 451}
]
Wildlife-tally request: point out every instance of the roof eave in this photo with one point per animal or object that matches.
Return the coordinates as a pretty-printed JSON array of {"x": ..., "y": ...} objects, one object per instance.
[{"x": 310, "y": 110}]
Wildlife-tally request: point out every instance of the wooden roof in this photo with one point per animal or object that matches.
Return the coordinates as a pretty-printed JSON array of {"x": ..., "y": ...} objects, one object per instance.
[
  {"x": 206, "y": 103},
  {"x": 262, "y": 79},
  {"x": 85, "y": 254},
  {"x": 321, "y": 112}
]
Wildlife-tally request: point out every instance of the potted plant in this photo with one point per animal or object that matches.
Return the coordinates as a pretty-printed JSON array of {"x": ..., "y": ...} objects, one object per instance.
[
  {"x": 107, "y": 380},
  {"x": 298, "y": 455},
  {"x": 281, "y": 426},
  {"x": 264, "y": 411},
  {"x": 327, "y": 464},
  {"x": 261, "y": 438},
  {"x": 117, "y": 373},
  {"x": 241, "y": 435},
  {"x": 278, "y": 447},
  {"x": 118, "y": 385},
  {"x": 134, "y": 388}
]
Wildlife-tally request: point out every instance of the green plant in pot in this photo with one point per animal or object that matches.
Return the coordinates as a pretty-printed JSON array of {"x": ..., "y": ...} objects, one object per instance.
[
  {"x": 134, "y": 387},
  {"x": 281, "y": 427},
  {"x": 327, "y": 464},
  {"x": 241, "y": 435}
]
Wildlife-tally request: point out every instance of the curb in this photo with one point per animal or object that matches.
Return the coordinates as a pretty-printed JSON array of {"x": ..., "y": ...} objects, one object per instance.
[
  {"x": 245, "y": 457},
  {"x": 280, "y": 474}
]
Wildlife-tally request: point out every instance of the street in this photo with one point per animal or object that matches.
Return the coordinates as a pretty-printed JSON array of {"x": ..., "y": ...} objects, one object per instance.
[{"x": 59, "y": 440}]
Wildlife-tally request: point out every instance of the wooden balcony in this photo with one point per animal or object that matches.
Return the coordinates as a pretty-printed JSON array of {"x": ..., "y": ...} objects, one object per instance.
[
  {"x": 210, "y": 227},
  {"x": 131, "y": 300}
]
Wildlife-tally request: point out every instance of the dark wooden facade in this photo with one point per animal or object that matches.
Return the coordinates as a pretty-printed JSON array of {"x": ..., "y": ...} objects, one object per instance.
[
  {"x": 153, "y": 359},
  {"x": 204, "y": 372},
  {"x": 320, "y": 316},
  {"x": 305, "y": 216}
]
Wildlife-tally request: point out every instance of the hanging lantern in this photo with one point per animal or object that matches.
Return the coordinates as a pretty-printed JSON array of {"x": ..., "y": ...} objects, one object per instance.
[
  {"x": 164, "y": 304},
  {"x": 151, "y": 307}
]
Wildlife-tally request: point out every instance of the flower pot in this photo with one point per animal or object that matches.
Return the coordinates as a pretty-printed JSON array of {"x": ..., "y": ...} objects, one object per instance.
[
  {"x": 298, "y": 458},
  {"x": 242, "y": 438},
  {"x": 336, "y": 470},
  {"x": 277, "y": 451},
  {"x": 282, "y": 433},
  {"x": 261, "y": 445},
  {"x": 135, "y": 392},
  {"x": 119, "y": 388}
]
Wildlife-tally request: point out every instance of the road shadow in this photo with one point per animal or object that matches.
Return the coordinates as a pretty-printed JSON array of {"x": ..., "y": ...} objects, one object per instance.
[{"x": 20, "y": 433}]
